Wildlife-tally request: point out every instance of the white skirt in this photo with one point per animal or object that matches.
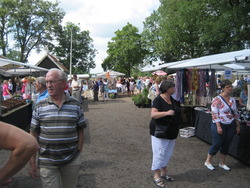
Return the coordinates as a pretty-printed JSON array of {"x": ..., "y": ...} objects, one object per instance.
[{"x": 162, "y": 151}]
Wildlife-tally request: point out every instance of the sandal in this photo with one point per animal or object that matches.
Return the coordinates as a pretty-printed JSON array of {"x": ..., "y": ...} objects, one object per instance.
[
  {"x": 168, "y": 177},
  {"x": 159, "y": 182}
]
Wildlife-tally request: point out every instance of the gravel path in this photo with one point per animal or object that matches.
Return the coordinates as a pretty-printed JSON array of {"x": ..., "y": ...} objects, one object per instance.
[{"x": 117, "y": 153}]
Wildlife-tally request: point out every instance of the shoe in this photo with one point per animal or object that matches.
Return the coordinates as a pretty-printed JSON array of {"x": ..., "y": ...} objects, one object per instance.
[
  {"x": 159, "y": 182},
  {"x": 209, "y": 166},
  {"x": 168, "y": 177},
  {"x": 225, "y": 167}
]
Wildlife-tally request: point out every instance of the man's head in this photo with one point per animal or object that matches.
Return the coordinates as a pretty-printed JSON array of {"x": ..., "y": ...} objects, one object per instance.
[
  {"x": 40, "y": 84},
  {"x": 56, "y": 81}
]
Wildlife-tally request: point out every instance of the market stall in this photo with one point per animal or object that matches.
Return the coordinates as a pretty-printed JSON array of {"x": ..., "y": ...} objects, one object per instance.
[
  {"x": 197, "y": 84},
  {"x": 239, "y": 147},
  {"x": 18, "y": 109},
  {"x": 19, "y": 115}
]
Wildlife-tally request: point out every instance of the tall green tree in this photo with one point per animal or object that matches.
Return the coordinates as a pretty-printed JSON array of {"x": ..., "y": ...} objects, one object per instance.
[
  {"x": 6, "y": 7},
  {"x": 31, "y": 25},
  {"x": 189, "y": 29},
  {"x": 83, "y": 52},
  {"x": 125, "y": 50}
]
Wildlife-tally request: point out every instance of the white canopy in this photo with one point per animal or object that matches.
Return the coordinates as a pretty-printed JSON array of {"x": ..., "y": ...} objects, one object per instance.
[
  {"x": 110, "y": 73},
  {"x": 237, "y": 60},
  {"x": 25, "y": 68}
]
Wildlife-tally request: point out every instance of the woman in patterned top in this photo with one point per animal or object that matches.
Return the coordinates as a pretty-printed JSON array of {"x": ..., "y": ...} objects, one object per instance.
[{"x": 225, "y": 123}]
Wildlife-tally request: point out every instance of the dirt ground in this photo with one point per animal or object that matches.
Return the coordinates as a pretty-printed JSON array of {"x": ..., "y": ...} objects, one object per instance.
[{"x": 117, "y": 153}]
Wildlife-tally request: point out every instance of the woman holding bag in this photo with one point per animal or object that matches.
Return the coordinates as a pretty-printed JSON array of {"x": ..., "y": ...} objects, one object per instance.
[
  {"x": 225, "y": 123},
  {"x": 165, "y": 112}
]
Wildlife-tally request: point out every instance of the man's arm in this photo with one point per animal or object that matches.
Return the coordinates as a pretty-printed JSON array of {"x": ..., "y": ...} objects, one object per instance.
[
  {"x": 80, "y": 138},
  {"x": 22, "y": 145}
]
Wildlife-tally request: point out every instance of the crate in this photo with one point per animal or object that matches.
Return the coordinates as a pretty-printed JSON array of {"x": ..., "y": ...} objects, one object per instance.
[{"x": 187, "y": 132}]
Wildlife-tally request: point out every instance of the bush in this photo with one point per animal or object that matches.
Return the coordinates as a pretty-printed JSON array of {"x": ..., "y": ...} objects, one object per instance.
[{"x": 141, "y": 100}]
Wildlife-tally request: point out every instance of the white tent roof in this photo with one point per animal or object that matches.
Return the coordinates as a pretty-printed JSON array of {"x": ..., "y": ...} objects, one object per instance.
[
  {"x": 26, "y": 68},
  {"x": 111, "y": 73},
  {"x": 238, "y": 60}
]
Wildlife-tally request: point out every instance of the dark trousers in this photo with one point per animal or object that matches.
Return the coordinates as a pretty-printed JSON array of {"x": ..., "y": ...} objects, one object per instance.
[
  {"x": 95, "y": 95},
  {"x": 222, "y": 141}
]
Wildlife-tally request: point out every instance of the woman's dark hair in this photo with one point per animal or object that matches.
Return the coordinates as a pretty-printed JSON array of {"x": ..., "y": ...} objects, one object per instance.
[
  {"x": 225, "y": 83},
  {"x": 165, "y": 85}
]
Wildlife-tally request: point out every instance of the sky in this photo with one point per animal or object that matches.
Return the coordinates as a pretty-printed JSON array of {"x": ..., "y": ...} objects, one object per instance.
[{"x": 102, "y": 18}]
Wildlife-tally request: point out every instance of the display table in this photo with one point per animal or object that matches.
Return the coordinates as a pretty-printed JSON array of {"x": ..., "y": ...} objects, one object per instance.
[
  {"x": 113, "y": 91},
  {"x": 187, "y": 116},
  {"x": 239, "y": 147},
  {"x": 19, "y": 117}
]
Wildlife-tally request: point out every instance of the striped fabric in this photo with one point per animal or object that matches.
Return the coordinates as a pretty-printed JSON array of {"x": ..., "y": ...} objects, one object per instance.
[{"x": 57, "y": 130}]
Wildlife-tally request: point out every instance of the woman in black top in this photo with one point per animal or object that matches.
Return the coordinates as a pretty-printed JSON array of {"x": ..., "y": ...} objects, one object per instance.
[{"x": 165, "y": 111}]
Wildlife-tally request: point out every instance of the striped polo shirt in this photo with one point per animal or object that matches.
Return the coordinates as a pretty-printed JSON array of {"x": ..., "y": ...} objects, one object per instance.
[{"x": 57, "y": 130}]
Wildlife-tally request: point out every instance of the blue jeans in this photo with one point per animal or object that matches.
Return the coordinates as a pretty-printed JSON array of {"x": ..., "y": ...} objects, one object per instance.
[{"x": 222, "y": 141}]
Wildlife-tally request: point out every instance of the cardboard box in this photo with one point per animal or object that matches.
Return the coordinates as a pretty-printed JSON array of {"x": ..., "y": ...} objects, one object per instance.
[{"x": 187, "y": 132}]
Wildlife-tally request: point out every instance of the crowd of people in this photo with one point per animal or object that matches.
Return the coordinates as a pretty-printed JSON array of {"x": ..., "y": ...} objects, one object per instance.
[{"x": 58, "y": 123}]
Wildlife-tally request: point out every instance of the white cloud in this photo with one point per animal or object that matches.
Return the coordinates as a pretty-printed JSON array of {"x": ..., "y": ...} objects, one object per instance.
[{"x": 103, "y": 17}]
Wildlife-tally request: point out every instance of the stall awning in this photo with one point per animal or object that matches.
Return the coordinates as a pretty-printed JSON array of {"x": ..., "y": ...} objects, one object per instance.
[
  {"x": 237, "y": 60},
  {"x": 25, "y": 68}
]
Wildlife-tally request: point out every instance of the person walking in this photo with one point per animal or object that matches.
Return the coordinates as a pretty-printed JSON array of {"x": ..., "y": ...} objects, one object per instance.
[
  {"x": 106, "y": 90},
  {"x": 95, "y": 90},
  {"x": 166, "y": 112},
  {"x": 225, "y": 123},
  {"x": 76, "y": 88},
  {"x": 57, "y": 123}
]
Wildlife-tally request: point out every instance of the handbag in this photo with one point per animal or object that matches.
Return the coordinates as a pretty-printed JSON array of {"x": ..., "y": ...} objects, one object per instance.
[
  {"x": 161, "y": 130},
  {"x": 151, "y": 94}
]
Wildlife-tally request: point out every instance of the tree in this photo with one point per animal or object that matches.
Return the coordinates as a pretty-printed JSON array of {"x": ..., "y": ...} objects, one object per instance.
[
  {"x": 83, "y": 52},
  {"x": 5, "y": 7},
  {"x": 32, "y": 24},
  {"x": 151, "y": 37},
  {"x": 125, "y": 50},
  {"x": 189, "y": 29}
]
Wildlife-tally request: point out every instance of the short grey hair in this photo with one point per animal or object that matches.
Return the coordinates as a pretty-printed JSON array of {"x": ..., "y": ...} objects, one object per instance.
[
  {"x": 41, "y": 80},
  {"x": 165, "y": 85},
  {"x": 61, "y": 74}
]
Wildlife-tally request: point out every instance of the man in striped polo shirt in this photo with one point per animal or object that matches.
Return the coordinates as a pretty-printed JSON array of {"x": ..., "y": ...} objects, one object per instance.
[{"x": 57, "y": 123}]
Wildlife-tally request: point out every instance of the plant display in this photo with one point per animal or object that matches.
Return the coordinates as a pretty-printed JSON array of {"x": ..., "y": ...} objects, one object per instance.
[{"x": 141, "y": 99}]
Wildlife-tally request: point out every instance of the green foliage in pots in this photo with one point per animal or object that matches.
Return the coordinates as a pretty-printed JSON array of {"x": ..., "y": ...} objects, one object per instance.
[{"x": 141, "y": 99}]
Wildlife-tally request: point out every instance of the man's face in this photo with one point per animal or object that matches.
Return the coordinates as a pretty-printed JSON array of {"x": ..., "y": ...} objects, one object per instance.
[
  {"x": 38, "y": 86},
  {"x": 54, "y": 84}
]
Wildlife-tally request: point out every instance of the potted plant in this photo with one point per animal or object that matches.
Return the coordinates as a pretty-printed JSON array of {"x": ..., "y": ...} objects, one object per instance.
[{"x": 141, "y": 100}]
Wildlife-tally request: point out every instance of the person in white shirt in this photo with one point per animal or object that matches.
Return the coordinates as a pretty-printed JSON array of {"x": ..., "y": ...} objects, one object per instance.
[{"x": 76, "y": 88}]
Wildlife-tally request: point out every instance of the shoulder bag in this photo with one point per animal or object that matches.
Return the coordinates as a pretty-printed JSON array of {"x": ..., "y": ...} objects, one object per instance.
[{"x": 162, "y": 130}]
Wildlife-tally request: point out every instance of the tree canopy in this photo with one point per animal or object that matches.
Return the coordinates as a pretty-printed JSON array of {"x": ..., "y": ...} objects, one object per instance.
[
  {"x": 83, "y": 52},
  {"x": 182, "y": 29},
  {"x": 125, "y": 50},
  {"x": 29, "y": 24}
]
